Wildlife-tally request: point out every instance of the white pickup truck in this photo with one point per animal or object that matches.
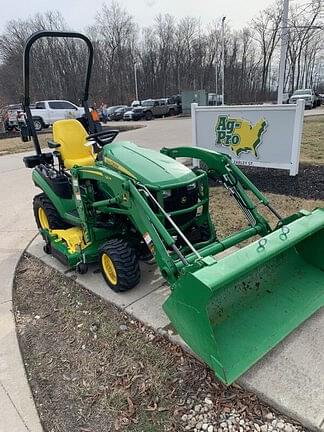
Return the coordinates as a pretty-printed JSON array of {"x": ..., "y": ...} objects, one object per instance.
[{"x": 45, "y": 113}]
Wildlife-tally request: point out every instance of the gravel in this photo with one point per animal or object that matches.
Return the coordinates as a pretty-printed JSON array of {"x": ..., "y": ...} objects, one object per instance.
[{"x": 204, "y": 415}]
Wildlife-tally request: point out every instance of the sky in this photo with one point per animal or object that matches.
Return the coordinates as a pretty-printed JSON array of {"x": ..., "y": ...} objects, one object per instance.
[{"x": 80, "y": 13}]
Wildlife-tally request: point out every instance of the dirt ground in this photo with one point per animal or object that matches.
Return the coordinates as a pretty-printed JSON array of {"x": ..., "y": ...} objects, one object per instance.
[
  {"x": 228, "y": 217},
  {"x": 93, "y": 369}
]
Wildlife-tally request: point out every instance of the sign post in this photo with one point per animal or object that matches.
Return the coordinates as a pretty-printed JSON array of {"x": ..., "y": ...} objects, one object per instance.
[{"x": 267, "y": 136}]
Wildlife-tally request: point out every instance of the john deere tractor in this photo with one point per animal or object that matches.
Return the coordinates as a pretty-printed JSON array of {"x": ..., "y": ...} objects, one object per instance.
[{"x": 115, "y": 203}]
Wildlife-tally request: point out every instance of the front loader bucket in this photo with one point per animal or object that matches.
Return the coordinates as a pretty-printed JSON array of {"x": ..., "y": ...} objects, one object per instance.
[{"x": 232, "y": 312}]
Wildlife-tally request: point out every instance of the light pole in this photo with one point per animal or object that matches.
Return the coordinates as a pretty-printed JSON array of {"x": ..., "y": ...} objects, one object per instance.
[
  {"x": 216, "y": 80},
  {"x": 135, "y": 75},
  {"x": 223, "y": 59},
  {"x": 283, "y": 50}
]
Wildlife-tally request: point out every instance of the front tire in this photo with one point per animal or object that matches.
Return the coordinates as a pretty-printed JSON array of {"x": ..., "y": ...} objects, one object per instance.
[
  {"x": 38, "y": 124},
  {"x": 81, "y": 268},
  {"x": 119, "y": 265},
  {"x": 46, "y": 215}
]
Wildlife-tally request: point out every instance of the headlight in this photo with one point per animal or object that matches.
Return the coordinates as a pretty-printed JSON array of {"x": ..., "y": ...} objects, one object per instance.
[
  {"x": 191, "y": 186},
  {"x": 166, "y": 193}
]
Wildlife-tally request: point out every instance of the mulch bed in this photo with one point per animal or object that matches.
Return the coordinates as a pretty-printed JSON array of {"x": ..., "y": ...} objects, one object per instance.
[
  {"x": 93, "y": 369},
  {"x": 308, "y": 184}
]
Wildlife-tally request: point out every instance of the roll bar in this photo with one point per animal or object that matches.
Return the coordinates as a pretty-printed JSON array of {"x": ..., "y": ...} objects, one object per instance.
[{"x": 26, "y": 63}]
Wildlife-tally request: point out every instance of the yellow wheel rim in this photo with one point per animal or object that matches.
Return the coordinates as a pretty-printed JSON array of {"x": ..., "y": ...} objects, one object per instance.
[
  {"x": 109, "y": 269},
  {"x": 43, "y": 221}
]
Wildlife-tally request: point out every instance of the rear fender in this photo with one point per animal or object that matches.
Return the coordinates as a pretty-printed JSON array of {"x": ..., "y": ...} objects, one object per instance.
[{"x": 63, "y": 206}]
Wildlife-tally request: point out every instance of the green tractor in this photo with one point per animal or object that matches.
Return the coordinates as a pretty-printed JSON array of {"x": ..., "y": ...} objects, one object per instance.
[{"x": 115, "y": 203}]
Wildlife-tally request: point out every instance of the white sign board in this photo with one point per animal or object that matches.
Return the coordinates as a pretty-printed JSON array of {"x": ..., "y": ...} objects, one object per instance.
[{"x": 254, "y": 135}]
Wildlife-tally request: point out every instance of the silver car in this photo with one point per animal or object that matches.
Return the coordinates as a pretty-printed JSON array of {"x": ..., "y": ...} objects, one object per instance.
[{"x": 128, "y": 115}]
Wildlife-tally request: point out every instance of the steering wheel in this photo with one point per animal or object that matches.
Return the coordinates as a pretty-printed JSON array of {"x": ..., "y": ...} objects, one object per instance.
[{"x": 103, "y": 137}]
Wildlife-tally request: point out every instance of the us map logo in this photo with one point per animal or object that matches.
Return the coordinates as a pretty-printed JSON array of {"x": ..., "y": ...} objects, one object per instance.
[{"x": 239, "y": 135}]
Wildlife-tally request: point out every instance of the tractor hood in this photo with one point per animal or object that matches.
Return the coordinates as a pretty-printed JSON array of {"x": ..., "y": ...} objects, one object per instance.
[{"x": 145, "y": 165}]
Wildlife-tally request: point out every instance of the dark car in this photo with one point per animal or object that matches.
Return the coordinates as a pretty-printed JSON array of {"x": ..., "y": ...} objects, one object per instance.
[
  {"x": 118, "y": 114},
  {"x": 151, "y": 108},
  {"x": 112, "y": 109},
  {"x": 136, "y": 113}
]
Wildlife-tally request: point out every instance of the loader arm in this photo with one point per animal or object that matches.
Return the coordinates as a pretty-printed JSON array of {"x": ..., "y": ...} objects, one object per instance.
[{"x": 221, "y": 168}]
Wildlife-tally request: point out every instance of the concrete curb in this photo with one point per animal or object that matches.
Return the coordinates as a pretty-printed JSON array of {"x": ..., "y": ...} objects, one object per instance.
[{"x": 18, "y": 413}]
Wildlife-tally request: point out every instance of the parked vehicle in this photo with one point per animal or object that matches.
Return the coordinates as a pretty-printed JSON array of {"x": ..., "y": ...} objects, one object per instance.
[
  {"x": 177, "y": 100},
  {"x": 128, "y": 115},
  {"x": 318, "y": 99},
  {"x": 10, "y": 118},
  {"x": 47, "y": 112},
  {"x": 112, "y": 109},
  {"x": 119, "y": 113},
  {"x": 308, "y": 95},
  {"x": 286, "y": 97},
  {"x": 214, "y": 99},
  {"x": 151, "y": 108}
]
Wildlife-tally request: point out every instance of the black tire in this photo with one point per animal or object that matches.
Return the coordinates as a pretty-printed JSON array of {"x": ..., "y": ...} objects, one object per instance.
[
  {"x": 81, "y": 268},
  {"x": 204, "y": 231},
  {"x": 8, "y": 128},
  {"x": 38, "y": 124},
  {"x": 172, "y": 112},
  {"x": 125, "y": 265},
  {"x": 47, "y": 248},
  {"x": 148, "y": 115},
  {"x": 54, "y": 219}
]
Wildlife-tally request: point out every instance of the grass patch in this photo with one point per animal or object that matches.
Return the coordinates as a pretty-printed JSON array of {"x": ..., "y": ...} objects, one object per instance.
[
  {"x": 312, "y": 147},
  {"x": 16, "y": 145}
]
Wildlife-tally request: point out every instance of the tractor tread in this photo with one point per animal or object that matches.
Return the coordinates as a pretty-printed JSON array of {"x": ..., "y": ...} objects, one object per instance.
[
  {"x": 125, "y": 262},
  {"x": 54, "y": 219}
]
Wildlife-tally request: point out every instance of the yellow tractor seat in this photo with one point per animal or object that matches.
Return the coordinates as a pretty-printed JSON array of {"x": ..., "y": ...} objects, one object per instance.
[{"x": 71, "y": 136}]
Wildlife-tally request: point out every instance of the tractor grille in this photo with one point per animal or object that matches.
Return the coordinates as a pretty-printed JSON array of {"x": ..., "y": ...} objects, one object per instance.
[{"x": 179, "y": 199}]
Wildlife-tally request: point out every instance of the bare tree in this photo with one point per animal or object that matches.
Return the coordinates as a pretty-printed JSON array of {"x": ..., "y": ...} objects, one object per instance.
[
  {"x": 171, "y": 55},
  {"x": 266, "y": 32}
]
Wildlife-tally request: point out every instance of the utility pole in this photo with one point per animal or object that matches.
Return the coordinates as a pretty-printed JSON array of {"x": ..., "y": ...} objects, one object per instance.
[
  {"x": 216, "y": 81},
  {"x": 283, "y": 50},
  {"x": 136, "y": 88},
  {"x": 223, "y": 59}
]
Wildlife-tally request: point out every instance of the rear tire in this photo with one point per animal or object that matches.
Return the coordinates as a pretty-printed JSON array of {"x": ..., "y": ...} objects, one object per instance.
[
  {"x": 46, "y": 215},
  {"x": 148, "y": 115},
  {"x": 38, "y": 124},
  {"x": 119, "y": 265}
]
